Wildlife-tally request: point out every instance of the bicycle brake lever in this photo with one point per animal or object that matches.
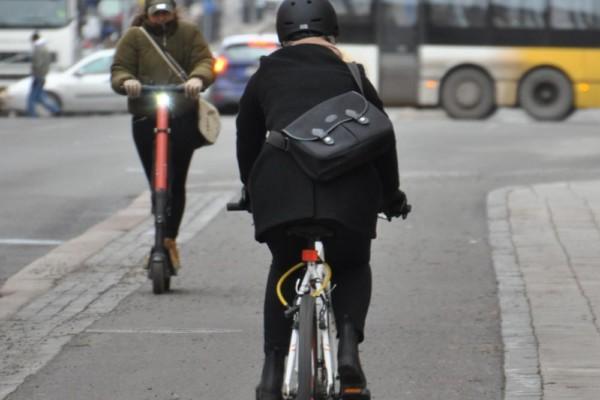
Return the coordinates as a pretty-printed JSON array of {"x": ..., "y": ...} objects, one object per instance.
[{"x": 289, "y": 313}]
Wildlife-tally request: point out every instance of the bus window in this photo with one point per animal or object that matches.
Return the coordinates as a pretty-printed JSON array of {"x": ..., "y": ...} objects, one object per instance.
[
  {"x": 352, "y": 7},
  {"x": 394, "y": 17},
  {"x": 355, "y": 18},
  {"x": 458, "y": 13},
  {"x": 574, "y": 14},
  {"x": 518, "y": 14}
]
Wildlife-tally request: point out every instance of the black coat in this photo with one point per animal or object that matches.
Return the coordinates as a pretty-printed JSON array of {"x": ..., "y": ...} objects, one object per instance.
[{"x": 289, "y": 82}]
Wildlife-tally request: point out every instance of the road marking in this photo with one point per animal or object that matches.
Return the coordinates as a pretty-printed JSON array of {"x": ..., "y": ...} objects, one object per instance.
[
  {"x": 163, "y": 331},
  {"x": 30, "y": 242}
]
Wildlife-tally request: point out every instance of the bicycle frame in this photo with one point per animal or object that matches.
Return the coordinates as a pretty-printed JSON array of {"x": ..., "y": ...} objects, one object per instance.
[{"x": 314, "y": 283}]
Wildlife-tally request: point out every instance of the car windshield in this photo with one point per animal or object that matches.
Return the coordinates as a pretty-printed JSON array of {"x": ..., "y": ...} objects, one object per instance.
[
  {"x": 98, "y": 66},
  {"x": 33, "y": 14},
  {"x": 249, "y": 51}
]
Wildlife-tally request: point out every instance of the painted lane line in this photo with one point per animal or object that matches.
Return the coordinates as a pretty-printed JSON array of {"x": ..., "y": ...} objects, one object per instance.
[
  {"x": 164, "y": 331},
  {"x": 30, "y": 242}
]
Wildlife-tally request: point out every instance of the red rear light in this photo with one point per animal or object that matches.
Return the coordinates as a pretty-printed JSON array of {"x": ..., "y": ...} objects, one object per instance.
[
  {"x": 220, "y": 65},
  {"x": 310, "y": 255}
]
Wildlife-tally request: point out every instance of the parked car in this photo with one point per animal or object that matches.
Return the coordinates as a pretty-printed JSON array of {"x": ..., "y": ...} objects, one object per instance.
[
  {"x": 237, "y": 60},
  {"x": 81, "y": 88}
]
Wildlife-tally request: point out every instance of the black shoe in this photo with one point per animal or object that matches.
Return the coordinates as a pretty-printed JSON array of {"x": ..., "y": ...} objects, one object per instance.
[
  {"x": 353, "y": 384},
  {"x": 271, "y": 379},
  {"x": 360, "y": 394}
]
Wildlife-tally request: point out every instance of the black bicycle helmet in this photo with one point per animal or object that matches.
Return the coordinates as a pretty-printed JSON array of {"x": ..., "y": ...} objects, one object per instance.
[{"x": 311, "y": 16}]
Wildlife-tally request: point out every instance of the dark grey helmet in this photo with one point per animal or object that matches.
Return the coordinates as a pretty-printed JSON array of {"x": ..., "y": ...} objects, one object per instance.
[{"x": 316, "y": 16}]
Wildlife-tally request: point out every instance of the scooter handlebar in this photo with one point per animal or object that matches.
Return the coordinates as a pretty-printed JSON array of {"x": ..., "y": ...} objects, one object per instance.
[{"x": 163, "y": 88}]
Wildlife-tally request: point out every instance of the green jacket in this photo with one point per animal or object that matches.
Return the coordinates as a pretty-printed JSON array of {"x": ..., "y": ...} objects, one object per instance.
[
  {"x": 136, "y": 58},
  {"x": 40, "y": 60}
]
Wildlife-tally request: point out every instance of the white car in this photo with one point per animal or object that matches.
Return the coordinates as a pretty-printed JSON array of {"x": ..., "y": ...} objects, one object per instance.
[{"x": 81, "y": 88}]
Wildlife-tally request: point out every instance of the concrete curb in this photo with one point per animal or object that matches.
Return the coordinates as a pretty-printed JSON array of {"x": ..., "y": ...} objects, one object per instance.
[
  {"x": 523, "y": 380},
  {"x": 41, "y": 275}
]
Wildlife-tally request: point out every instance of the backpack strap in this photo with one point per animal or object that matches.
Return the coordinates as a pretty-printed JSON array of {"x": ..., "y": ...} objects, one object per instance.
[{"x": 356, "y": 75}]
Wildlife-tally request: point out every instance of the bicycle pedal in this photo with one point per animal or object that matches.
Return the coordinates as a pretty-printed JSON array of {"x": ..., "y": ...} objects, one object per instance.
[{"x": 350, "y": 393}]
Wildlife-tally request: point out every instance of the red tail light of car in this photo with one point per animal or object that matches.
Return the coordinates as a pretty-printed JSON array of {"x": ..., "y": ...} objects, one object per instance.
[{"x": 220, "y": 66}]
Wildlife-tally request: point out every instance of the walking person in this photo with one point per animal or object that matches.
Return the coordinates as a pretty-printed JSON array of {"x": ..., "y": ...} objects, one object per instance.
[
  {"x": 40, "y": 65},
  {"x": 306, "y": 71},
  {"x": 137, "y": 62}
]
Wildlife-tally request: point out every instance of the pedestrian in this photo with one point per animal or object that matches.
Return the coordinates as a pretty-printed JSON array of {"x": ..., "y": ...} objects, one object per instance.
[
  {"x": 307, "y": 70},
  {"x": 137, "y": 62},
  {"x": 40, "y": 65}
]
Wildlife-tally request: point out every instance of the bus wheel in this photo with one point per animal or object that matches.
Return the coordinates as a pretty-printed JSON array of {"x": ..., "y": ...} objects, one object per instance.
[
  {"x": 546, "y": 94},
  {"x": 468, "y": 93}
]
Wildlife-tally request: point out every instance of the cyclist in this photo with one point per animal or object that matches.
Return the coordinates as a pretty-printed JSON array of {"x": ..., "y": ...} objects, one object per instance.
[
  {"x": 307, "y": 70},
  {"x": 136, "y": 62}
]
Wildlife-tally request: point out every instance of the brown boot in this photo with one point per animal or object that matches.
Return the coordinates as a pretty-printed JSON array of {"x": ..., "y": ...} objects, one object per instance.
[{"x": 171, "y": 248}]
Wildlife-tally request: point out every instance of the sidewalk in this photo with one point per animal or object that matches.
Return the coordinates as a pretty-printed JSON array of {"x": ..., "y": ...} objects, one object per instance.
[{"x": 545, "y": 242}]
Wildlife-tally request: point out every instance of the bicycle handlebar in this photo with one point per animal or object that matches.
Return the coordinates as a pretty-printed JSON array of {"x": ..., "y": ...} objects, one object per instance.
[
  {"x": 243, "y": 204},
  {"x": 406, "y": 209},
  {"x": 240, "y": 205}
]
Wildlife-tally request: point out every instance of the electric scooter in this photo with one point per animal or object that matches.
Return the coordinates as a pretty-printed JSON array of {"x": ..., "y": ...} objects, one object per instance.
[{"x": 160, "y": 268}]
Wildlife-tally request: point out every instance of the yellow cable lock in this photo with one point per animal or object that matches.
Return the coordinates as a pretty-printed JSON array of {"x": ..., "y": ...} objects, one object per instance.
[{"x": 295, "y": 268}]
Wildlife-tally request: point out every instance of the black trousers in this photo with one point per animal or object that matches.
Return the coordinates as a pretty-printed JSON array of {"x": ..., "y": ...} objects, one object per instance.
[
  {"x": 347, "y": 253},
  {"x": 184, "y": 139}
]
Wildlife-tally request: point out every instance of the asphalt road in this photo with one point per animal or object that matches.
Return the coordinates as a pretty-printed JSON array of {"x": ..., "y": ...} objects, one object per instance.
[
  {"x": 61, "y": 176},
  {"x": 433, "y": 328}
]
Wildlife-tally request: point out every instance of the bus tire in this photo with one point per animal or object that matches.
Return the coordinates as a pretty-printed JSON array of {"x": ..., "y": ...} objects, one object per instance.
[
  {"x": 546, "y": 94},
  {"x": 468, "y": 93}
]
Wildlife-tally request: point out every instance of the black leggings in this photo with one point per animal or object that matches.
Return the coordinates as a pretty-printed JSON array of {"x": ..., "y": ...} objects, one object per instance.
[
  {"x": 184, "y": 139},
  {"x": 347, "y": 253}
]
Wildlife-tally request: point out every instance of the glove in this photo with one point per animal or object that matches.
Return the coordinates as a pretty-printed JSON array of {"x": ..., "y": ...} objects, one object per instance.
[
  {"x": 397, "y": 206},
  {"x": 193, "y": 87},
  {"x": 132, "y": 87}
]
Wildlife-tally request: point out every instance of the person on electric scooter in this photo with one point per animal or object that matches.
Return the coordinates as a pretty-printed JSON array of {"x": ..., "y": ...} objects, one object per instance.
[
  {"x": 136, "y": 62},
  {"x": 307, "y": 70}
]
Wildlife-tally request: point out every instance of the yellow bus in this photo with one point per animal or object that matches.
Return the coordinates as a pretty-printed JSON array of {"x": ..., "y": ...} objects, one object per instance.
[{"x": 471, "y": 56}]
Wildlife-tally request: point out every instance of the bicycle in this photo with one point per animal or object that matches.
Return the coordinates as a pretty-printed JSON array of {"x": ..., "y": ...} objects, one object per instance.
[
  {"x": 310, "y": 369},
  {"x": 160, "y": 267}
]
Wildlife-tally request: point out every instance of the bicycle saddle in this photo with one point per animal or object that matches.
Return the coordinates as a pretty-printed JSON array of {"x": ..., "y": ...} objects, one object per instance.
[{"x": 310, "y": 231}]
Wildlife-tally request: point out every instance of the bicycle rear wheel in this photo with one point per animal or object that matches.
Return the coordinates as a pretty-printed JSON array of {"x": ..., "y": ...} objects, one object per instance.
[{"x": 307, "y": 343}]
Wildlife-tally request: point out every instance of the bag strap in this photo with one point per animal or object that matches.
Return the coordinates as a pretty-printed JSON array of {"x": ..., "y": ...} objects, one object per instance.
[
  {"x": 356, "y": 75},
  {"x": 168, "y": 59}
]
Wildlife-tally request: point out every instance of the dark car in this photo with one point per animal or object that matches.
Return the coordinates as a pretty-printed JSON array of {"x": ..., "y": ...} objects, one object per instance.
[{"x": 237, "y": 60}]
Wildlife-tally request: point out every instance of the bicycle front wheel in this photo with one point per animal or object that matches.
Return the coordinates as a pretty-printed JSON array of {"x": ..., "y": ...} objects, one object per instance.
[{"x": 307, "y": 343}]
